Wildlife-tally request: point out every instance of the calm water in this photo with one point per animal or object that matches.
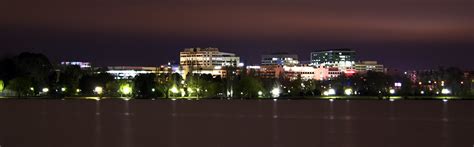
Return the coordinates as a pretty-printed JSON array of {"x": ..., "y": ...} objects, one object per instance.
[{"x": 236, "y": 123}]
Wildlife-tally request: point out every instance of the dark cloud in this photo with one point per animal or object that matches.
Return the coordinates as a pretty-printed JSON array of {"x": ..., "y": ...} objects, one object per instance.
[{"x": 420, "y": 32}]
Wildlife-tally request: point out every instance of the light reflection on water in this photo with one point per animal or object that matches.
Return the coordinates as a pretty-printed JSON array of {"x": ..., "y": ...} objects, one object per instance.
[{"x": 314, "y": 123}]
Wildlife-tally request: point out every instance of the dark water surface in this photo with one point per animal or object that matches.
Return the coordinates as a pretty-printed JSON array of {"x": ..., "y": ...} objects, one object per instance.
[{"x": 236, "y": 123}]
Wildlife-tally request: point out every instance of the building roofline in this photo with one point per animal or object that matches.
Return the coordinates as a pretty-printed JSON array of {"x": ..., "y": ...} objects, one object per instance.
[{"x": 339, "y": 50}]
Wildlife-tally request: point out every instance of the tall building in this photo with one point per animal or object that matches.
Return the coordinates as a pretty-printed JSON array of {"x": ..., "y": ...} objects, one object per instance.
[
  {"x": 340, "y": 58},
  {"x": 365, "y": 66},
  {"x": 206, "y": 60},
  {"x": 280, "y": 59}
]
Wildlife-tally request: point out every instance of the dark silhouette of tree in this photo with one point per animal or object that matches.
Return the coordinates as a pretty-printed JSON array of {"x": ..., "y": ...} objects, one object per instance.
[
  {"x": 35, "y": 67},
  {"x": 249, "y": 86},
  {"x": 143, "y": 85},
  {"x": 21, "y": 85},
  {"x": 67, "y": 77},
  {"x": 89, "y": 82},
  {"x": 166, "y": 81}
]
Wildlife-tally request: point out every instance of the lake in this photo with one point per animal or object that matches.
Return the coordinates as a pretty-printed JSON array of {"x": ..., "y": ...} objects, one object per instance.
[{"x": 236, "y": 123}]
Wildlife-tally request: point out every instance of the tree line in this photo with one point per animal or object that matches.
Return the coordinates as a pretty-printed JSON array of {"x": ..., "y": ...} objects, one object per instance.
[{"x": 31, "y": 75}]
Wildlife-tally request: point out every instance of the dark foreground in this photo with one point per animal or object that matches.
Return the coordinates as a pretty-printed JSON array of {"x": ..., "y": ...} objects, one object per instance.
[{"x": 236, "y": 123}]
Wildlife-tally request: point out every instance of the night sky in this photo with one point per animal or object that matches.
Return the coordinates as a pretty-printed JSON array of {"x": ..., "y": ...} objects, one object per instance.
[{"x": 403, "y": 34}]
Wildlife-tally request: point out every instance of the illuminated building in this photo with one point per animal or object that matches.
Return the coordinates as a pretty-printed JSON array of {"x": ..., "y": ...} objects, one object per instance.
[
  {"x": 207, "y": 58},
  {"x": 280, "y": 59},
  {"x": 365, "y": 66},
  {"x": 207, "y": 61},
  {"x": 130, "y": 72},
  {"x": 339, "y": 58},
  {"x": 266, "y": 71},
  {"x": 306, "y": 72},
  {"x": 82, "y": 65}
]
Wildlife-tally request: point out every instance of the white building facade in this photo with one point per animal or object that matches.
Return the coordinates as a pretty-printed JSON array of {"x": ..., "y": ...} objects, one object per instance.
[{"x": 206, "y": 61}]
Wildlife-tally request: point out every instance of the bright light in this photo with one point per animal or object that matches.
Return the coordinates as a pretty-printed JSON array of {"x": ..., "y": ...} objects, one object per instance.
[
  {"x": 445, "y": 100},
  {"x": 99, "y": 90},
  {"x": 174, "y": 89},
  {"x": 153, "y": 90},
  {"x": 445, "y": 91},
  {"x": 392, "y": 91},
  {"x": 31, "y": 88},
  {"x": 63, "y": 89},
  {"x": 326, "y": 93},
  {"x": 275, "y": 92},
  {"x": 392, "y": 100},
  {"x": 422, "y": 92},
  {"x": 2, "y": 86},
  {"x": 190, "y": 90},
  {"x": 348, "y": 91},
  {"x": 126, "y": 89},
  {"x": 45, "y": 90},
  {"x": 182, "y": 92},
  {"x": 260, "y": 93},
  {"x": 398, "y": 84},
  {"x": 331, "y": 100},
  {"x": 275, "y": 100},
  {"x": 330, "y": 92}
]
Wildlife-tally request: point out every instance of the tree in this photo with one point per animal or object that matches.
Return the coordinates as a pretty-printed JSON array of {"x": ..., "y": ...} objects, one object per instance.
[
  {"x": 166, "y": 81},
  {"x": 67, "y": 78},
  {"x": 35, "y": 67},
  {"x": 21, "y": 85},
  {"x": 1, "y": 85},
  {"x": 249, "y": 86},
  {"x": 143, "y": 85},
  {"x": 89, "y": 82}
]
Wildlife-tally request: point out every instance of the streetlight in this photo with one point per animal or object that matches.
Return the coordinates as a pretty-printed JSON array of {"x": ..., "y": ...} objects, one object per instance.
[
  {"x": 182, "y": 92},
  {"x": 348, "y": 92},
  {"x": 45, "y": 90},
  {"x": 173, "y": 90},
  {"x": 99, "y": 90},
  {"x": 392, "y": 91},
  {"x": 260, "y": 93},
  {"x": 331, "y": 92},
  {"x": 63, "y": 89},
  {"x": 275, "y": 92},
  {"x": 445, "y": 91},
  {"x": 126, "y": 89}
]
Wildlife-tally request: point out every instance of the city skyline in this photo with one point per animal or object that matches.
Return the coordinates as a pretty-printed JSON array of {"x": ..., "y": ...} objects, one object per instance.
[
  {"x": 176, "y": 61},
  {"x": 401, "y": 34},
  {"x": 234, "y": 73}
]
